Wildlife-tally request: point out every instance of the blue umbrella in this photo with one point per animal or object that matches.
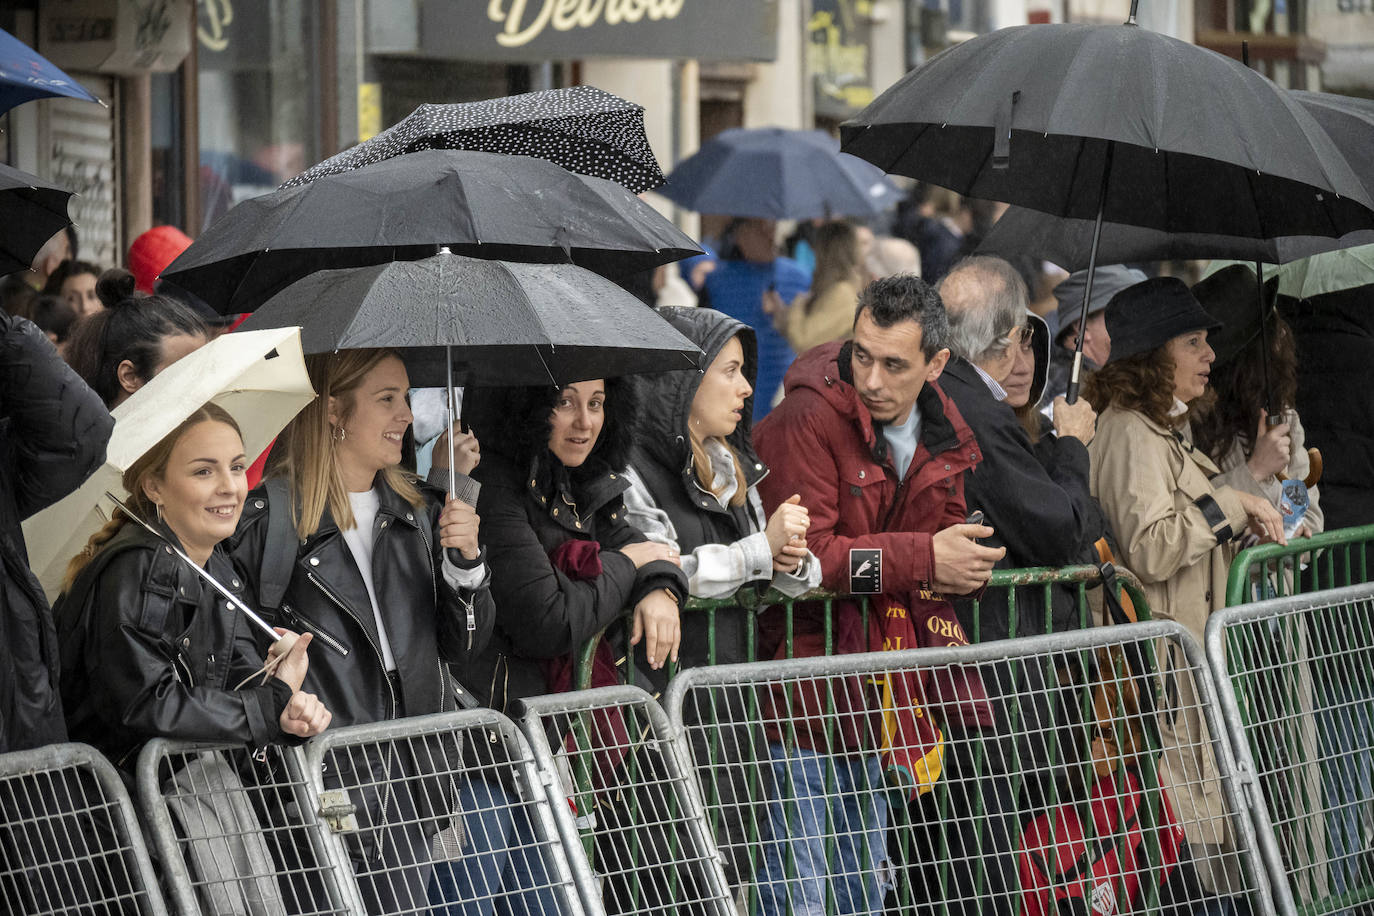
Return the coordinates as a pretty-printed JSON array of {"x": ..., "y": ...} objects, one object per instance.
[
  {"x": 26, "y": 75},
  {"x": 772, "y": 173}
]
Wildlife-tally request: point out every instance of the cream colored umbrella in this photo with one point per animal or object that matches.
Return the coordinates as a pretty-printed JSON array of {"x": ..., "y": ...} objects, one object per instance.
[{"x": 259, "y": 377}]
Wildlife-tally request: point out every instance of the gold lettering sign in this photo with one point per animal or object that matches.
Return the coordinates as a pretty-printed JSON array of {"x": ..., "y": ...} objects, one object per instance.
[
  {"x": 214, "y": 16},
  {"x": 525, "y": 20}
]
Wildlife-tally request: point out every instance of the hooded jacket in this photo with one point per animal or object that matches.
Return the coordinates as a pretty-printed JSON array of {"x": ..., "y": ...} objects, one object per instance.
[
  {"x": 821, "y": 442},
  {"x": 530, "y": 505},
  {"x": 150, "y": 651},
  {"x": 53, "y": 431}
]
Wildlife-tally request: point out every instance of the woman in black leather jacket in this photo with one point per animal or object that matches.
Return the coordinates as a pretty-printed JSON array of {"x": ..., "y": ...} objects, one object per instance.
[
  {"x": 390, "y": 579},
  {"x": 148, "y": 650}
]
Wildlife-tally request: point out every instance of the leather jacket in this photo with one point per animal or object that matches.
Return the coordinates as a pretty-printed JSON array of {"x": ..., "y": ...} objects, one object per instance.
[
  {"x": 427, "y": 622},
  {"x": 149, "y": 650}
]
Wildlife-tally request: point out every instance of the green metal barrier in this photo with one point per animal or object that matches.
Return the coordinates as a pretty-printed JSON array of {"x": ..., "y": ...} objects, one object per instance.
[
  {"x": 1332, "y": 559},
  {"x": 1018, "y": 583}
]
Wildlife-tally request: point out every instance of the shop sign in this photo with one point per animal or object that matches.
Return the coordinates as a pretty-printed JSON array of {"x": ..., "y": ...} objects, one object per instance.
[{"x": 125, "y": 37}]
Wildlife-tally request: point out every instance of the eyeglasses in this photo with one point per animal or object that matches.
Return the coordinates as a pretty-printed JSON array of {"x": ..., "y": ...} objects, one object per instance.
[{"x": 1019, "y": 337}]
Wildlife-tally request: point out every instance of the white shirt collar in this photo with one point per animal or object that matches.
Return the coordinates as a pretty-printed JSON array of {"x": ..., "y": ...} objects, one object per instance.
[{"x": 997, "y": 390}]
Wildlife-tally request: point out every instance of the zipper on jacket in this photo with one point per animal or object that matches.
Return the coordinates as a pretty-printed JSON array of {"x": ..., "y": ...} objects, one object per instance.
[
  {"x": 320, "y": 633},
  {"x": 434, "y": 592},
  {"x": 381, "y": 663}
]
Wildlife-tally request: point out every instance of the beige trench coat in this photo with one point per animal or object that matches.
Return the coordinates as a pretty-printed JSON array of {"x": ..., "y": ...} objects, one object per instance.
[{"x": 1158, "y": 496}]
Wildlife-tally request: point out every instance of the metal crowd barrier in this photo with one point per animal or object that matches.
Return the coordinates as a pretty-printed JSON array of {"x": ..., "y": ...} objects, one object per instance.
[
  {"x": 1300, "y": 706},
  {"x": 442, "y": 815},
  {"x": 892, "y": 781},
  {"x": 727, "y": 627},
  {"x": 1332, "y": 559},
  {"x": 638, "y": 816},
  {"x": 69, "y": 837}
]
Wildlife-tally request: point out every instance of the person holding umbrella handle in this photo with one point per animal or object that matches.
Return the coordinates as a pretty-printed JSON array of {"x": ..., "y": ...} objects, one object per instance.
[{"x": 148, "y": 649}]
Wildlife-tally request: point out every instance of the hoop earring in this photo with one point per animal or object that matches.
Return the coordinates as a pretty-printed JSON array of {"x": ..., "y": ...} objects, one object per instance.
[{"x": 338, "y": 433}]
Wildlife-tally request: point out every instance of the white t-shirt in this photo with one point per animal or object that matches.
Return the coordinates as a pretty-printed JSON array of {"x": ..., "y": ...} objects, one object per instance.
[{"x": 360, "y": 539}]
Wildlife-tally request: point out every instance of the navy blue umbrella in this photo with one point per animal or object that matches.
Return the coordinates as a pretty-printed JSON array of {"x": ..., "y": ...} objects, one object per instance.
[
  {"x": 772, "y": 173},
  {"x": 26, "y": 75}
]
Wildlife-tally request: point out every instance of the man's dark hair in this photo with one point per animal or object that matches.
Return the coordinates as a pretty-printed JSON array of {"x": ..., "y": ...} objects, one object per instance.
[{"x": 906, "y": 297}]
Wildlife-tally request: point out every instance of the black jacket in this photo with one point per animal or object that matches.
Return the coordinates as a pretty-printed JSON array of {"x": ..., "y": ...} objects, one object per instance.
[
  {"x": 53, "y": 431},
  {"x": 1040, "y": 508},
  {"x": 149, "y": 650},
  {"x": 426, "y": 620},
  {"x": 530, "y": 505}
]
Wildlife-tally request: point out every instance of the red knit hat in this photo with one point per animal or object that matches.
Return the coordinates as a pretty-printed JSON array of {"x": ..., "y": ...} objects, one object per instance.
[{"x": 152, "y": 251}]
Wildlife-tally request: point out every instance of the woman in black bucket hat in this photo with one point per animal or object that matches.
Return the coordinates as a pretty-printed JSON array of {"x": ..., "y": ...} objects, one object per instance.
[{"x": 1172, "y": 525}]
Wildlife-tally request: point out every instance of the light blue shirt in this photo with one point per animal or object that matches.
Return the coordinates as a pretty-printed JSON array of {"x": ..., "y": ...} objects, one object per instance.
[
  {"x": 997, "y": 390},
  {"x": 902, "y": 439}
]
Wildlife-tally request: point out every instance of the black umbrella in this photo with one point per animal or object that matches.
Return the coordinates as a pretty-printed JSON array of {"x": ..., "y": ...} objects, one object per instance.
[
  {"x": 1114, "y": 123},
  {"x": 581, "y": 128},
  {"x": 490, "y": 322},
  {"x": 495, "y": 322},
  {"x": 31, "y": 212},
  {"x": 480, "y": 204}
]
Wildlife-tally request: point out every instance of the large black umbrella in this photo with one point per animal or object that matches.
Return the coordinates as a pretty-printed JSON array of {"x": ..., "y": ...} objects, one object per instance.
[
  {"x": 774, "y": 173},
  {"x": 31, "y": 212},
  {"x": 581, "y": 128},
  {"x": 1114, "y": 123},
  {"x": 480, "y": 204}
]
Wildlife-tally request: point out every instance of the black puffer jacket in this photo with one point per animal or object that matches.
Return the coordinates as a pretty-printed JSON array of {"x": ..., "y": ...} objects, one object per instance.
[
  {"x": 53, "y": 431},
  {"x": 148, "y": 651},
  {"x": 426, "y": 620},
  {"x": 530, "y": 505}
]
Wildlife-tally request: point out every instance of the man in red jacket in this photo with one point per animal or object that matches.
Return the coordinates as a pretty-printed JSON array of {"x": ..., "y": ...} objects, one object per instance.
[{"x": 878, "y": 455}]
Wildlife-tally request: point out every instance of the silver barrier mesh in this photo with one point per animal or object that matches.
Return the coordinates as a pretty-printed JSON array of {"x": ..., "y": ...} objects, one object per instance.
[
  {"x": 1301, "y": 710},
  {"x": 238, "y": 831},
  {"x": 445, "y": 814},
  {"x": 1073, "y": 773},
  {"x": 69, "y": 838},
  {"x": 624, "y": 784}
]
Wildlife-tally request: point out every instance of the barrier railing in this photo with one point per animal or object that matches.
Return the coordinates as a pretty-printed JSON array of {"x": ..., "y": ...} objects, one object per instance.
[
  {"x": 638, "y": 816},
  {"x": 888, "y": 781},
  {"x": 69, "y": 837},
  {"x": 722, "y": 631},
  {"x": 1300, "y": 706},
  {"x": 1332, "y": 559}
]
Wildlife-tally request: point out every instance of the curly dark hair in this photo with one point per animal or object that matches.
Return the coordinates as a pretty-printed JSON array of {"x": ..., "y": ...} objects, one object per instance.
[
  {"x": 1240, "y": 392},
  {"x": 1144, "y": 383},
  {"x": 516, "y": 422}
]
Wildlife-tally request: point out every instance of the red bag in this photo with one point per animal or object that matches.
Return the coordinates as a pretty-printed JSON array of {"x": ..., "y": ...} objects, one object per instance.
[{"x": 1101, "y": 877}]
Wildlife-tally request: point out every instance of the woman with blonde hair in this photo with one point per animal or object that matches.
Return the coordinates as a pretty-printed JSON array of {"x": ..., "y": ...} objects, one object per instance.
[
  {"x": 148, "y": 649},
  {"x": 826, "y": 313},
  {"x": 387, "y": 572}
]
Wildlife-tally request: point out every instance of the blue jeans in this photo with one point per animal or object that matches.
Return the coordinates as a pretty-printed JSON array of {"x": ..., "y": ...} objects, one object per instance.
[
  {"x": 502, "y": 869},
  {"x": 1345, "y": 738},
  {"x": 820, "y": 800}
]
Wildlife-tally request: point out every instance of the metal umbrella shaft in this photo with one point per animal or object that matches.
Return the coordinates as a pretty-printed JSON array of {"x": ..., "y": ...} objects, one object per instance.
[
  {"x": 1071, "y": 396},
  {"x": 1273, "y": 413},
  {"x": 210, "y": 580}
]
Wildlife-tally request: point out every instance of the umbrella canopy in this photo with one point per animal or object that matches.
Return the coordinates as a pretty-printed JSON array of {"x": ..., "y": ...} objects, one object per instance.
[
  {"x": 26, "y": 75},
  {"x": 773, "y": 173},
  {"x": 500, "y": 322},
  {"x": 1154, "y": 131},
  {"x": 1319, "y": 274},
  {"x": 31, "y": 212},
  {"x": 581, "y": 128},
  {"x": 1068, "y": 242},
  {"x": 481, "y": 204},
  {"x": 260, "y": 379}
]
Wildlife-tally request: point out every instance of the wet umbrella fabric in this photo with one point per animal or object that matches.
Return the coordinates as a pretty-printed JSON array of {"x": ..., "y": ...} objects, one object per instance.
[
  {"x": 26, "y": 75},
  {"x": 772, "y": 173},
  {"x": 500, "y": 322},
  {"x": 581, "y": 128},
  {"x": 1197, "y": 141},
  {"x": 481, "y": 204},
  {"x": 32, "y": 211}
]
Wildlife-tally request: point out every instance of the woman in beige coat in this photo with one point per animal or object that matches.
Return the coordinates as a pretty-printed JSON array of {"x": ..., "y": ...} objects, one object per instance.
[
  {"x": 1172, "y": 524},
  {"x": 826, "y": 313}
]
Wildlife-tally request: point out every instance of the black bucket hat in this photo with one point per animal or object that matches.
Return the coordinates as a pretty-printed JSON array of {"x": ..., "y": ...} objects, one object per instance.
[
  {"x": 1150, "y": 314},
  {"x": 1229, "y": 296}
]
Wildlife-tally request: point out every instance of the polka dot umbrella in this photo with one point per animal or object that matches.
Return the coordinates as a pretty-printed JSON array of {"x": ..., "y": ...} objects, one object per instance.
[{"x": 581, "y": 128}]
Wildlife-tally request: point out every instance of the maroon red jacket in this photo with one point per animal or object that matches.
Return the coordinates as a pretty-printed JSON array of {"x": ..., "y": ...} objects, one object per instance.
[{"x": 820, "y": 442}]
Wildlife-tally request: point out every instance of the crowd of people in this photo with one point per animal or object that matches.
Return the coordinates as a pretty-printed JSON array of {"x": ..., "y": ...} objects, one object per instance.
[{"x": 919, "y": 423}]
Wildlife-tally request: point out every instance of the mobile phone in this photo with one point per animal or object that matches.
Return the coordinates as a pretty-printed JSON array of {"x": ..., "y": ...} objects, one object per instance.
[{"x": 974, "y": 518}]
